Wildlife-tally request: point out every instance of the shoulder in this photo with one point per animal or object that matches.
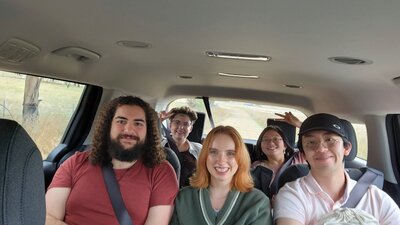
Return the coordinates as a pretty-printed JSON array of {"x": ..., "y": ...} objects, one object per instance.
[
  {"x": 293, "y": 188},
  {"x": 255, "y": 164},
  {"x": 256, "y": 195},
  {"x": 378, "y": 195},
  {"x": 77, "y": 159},
  {"x": 165, "y": 166},
  {"x": 187, "y": 192},
  {"x": 298, "y": 158},
  {"x": 195, "y": 145}
]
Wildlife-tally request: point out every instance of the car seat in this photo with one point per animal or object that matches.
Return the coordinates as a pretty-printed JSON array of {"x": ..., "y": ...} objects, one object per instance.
[{"x": 22, "y": 191}]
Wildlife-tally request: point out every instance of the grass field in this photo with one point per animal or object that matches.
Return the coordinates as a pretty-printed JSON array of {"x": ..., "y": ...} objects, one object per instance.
[{"x": 57, "y": 105}]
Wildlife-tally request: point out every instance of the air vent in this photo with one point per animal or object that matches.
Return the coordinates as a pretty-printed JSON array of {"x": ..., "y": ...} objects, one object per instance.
[
  {"x": 396, "y": 81},
  {"x": 134, "y": 44},
  {"x": 350, "y": 60},
  {"x": 17, "y": 51}
]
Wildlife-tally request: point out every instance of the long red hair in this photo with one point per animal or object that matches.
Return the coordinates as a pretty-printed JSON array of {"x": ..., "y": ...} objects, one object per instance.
[{"x": 242, "y": 180}]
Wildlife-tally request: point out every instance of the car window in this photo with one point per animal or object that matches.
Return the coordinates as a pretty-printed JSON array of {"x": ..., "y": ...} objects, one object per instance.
[
  {"x": 41, "y": 105},
  {"x": 248, "y": 118},
  {"x": 362, "y": 140}
]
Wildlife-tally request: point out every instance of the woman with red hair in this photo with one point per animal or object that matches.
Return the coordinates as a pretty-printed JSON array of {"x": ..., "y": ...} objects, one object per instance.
[{"x": 222, "y": 190}]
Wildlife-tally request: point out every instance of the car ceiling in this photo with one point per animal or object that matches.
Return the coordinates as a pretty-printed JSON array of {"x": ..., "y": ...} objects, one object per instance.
[{"x": 299, "y": 35}]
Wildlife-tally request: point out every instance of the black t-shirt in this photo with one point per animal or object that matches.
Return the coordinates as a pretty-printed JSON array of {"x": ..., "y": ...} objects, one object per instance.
[{"x": 188, "y": 165}]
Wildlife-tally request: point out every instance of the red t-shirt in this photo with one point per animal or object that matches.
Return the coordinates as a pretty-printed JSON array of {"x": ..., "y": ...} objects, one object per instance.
[{"x": 89, "y": 203}]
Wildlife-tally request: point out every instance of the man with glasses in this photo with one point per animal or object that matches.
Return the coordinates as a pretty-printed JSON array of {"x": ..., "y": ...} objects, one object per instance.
[
  {"x": 180, "y": 125},
  {"x": 327, "y": 187}
]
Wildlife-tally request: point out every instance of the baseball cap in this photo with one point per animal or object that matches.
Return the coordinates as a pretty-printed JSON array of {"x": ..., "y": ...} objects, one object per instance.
[{"x": 323, "y": 121}]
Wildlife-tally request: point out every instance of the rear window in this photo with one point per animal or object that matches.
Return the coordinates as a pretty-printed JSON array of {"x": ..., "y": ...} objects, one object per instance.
[
  {"x": 251, "y": 118},
  {"x": 41, "y": 105},
  {"x": 248, "y": 118}
]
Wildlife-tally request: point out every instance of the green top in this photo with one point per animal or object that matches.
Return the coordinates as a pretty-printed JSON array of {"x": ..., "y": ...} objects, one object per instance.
[{"x": 239, "y": 208}]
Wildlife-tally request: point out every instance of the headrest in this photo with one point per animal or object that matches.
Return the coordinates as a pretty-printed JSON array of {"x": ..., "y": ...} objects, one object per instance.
[
  {"x": 351, "y": 137},
  {"x": 21, "y": 177},
  {"x": 292, "y": 173},
  {"x": 197, "y": 132}
]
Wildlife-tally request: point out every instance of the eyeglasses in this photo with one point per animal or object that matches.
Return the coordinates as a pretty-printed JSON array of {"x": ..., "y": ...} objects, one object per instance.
[
  {"x": 314, "y": 144},
  {"x": 180, "y": 123},
  {"x": 274, "y": 139}
]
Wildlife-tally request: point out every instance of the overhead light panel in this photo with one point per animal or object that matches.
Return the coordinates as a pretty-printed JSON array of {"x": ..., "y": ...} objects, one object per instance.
[
  {"x": 238, "y": 75},
  {"x": 134, "y": 44},
  {"x": 226, "y": 55}
]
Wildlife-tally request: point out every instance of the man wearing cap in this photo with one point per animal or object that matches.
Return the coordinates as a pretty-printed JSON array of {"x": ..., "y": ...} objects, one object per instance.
[{"x": 324, "y": 143}]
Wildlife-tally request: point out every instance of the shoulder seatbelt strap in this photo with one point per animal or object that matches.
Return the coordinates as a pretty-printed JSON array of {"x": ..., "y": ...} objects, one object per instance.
[
  {"x": 274, "y": 184},
  {"x": 171, "y": 143},
  {"x": 115, "y": 196},
  {"x": 368, "y": 178}
]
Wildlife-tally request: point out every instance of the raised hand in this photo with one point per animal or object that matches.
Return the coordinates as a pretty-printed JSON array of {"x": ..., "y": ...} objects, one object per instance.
[{"x": 289, "y": 118}]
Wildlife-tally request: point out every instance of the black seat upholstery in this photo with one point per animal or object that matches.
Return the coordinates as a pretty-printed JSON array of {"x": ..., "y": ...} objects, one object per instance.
[
  {"x": 197, "y": 131},
  {"x": 296, "y": 171},
  {"x": 174, "y": 161},
  {"x": 21, "y": 177}
]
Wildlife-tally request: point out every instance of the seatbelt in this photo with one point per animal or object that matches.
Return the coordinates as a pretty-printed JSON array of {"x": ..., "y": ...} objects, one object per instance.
[
  {"x": 115, "y": 196},
  {"x": 274, "y": 184},
  {"x": 368, "y": 178},
  {"x": 171, "y": 143}
]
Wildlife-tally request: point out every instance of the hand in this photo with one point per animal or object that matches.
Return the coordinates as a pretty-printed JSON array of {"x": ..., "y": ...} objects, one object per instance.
[
  {"x": 164, "y": 115},
  {"x": 289, "y": 118}
]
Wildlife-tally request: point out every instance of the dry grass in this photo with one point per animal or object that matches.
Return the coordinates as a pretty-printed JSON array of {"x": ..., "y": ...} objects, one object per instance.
[{"x": 58, "y": 102}]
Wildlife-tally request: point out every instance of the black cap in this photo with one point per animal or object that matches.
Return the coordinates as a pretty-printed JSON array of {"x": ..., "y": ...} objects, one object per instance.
[{"x": 323, "y": 121}]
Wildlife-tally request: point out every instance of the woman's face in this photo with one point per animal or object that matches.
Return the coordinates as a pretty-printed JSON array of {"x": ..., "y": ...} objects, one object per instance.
[
  {"x": 221, "y": 161},
  {"x": 272, "y": 144}
]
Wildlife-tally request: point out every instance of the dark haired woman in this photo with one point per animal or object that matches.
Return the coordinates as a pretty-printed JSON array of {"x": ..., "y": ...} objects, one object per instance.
[{"x": 275, "y": 155}]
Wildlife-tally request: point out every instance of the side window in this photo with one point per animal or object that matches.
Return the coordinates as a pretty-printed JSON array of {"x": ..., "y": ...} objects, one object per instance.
[
  {"x": 362, "y": 140},
  {"x": 41, "y": 105}
]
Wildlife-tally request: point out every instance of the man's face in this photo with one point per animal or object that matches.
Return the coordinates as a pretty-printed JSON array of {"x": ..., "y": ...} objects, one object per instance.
[
  {"x": 180, "y": 127},
  {"x": 128, "y": 126},
  {"x": 324, "y": 150}
]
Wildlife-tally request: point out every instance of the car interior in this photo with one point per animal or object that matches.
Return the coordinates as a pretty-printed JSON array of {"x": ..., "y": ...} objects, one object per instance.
[{"x": 234, "y": 62}]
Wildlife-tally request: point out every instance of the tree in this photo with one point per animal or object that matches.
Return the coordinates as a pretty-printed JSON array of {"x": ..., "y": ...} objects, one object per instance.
[{"x": 30, "y": 109}]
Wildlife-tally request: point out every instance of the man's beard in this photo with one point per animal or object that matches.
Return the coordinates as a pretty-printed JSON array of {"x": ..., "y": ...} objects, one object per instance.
[{"x": 117, "y": 151}]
